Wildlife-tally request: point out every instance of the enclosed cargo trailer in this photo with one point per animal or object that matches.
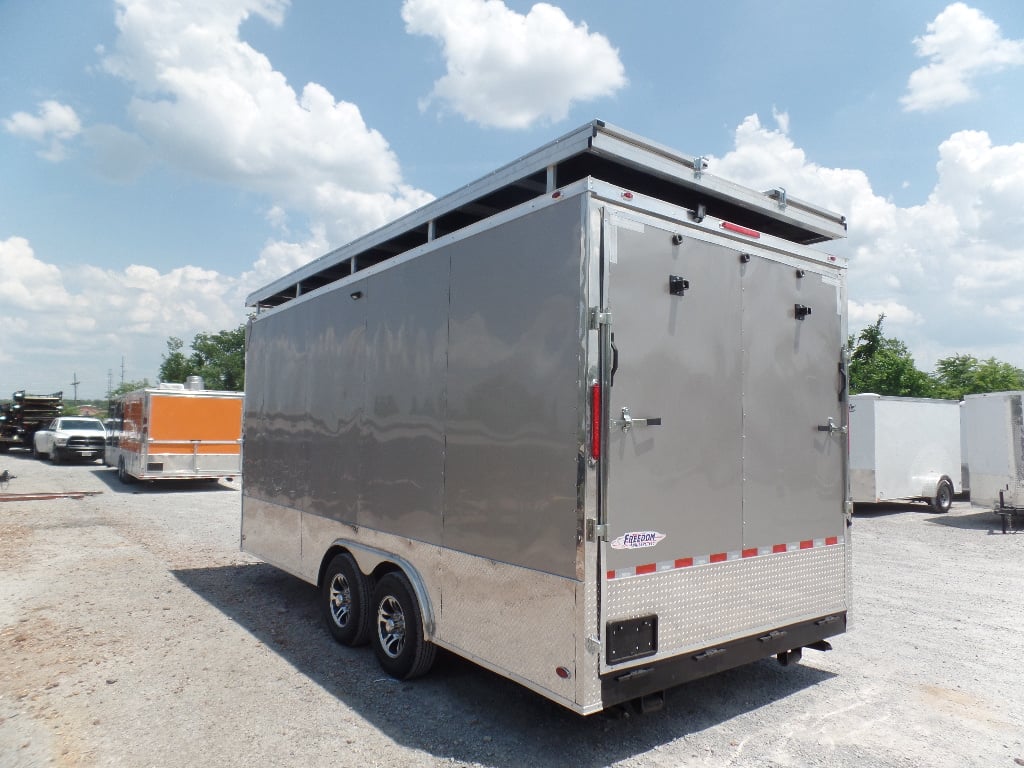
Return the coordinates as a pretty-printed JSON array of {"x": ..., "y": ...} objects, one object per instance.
[
  {"x": 994, "y": 426},
  {"x": 905, "y": 448},
  {"x": 582, "y": 422},
  {"x": 173, "y": 433}
]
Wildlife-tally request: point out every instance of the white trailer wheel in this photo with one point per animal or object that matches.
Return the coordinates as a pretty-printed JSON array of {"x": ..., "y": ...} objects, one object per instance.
[
  {"x": 398, "y": 629},
  {"x": 345, "y": 599},
  {"x": 943, "y": 499}
]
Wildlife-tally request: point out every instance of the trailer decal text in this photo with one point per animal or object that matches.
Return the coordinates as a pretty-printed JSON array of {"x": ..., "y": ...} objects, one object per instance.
[{"x": 638, "y": 540}]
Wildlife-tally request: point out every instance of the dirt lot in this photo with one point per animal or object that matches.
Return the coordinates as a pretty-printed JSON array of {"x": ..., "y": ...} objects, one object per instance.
[{"x": 134, "y": 633}]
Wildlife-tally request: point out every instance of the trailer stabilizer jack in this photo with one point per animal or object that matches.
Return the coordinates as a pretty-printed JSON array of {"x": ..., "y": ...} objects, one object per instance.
[
  {"x": 787, "y": 658},
  {"x": 651, "y": 702}
]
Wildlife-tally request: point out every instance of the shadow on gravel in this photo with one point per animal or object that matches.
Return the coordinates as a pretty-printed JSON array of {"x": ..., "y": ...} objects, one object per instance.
[
  {"x": 463, "y": 712},
  {"x": 886, "y": 508},
  {"x": 108, "y": 476},
  {"x": 982, "y": 520},
  {"x": 17, "y": 454}
]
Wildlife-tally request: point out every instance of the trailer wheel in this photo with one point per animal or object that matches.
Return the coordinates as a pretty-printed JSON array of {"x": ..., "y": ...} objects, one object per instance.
[
  {"x": 943, "y": 496},
  {"x": 122, "y": 472},
  {"x": 345, "y": 599},
  {"x": 398, "y": 639}
]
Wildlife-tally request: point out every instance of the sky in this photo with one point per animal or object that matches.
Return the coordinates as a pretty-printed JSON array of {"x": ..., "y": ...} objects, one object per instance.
[{"x": 161, "y": 159}]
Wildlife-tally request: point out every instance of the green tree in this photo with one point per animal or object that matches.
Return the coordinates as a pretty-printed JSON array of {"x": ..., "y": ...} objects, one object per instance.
[
  {"x": 961, "y": 375},
  {"x": 175, "y": 366},
  {"x": 996, "y": 376},
  {"x": 129, "y": 386},
  {"x": 219, "y": 358},
  {"x": 954, "y": 376},
  {"x": 884, "y": 366}
]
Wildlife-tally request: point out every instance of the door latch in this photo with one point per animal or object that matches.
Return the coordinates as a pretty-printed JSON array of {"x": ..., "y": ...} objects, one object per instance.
[
  {"x": 832, "y": 428},
  {"x": 627, "y": 422}
]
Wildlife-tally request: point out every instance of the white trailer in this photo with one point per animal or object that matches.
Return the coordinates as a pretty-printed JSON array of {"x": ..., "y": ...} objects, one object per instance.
[
  {"x": 994, "y": 426},
  {"x": 905, "y": 449},
  {"x": 582, "y": 422}
]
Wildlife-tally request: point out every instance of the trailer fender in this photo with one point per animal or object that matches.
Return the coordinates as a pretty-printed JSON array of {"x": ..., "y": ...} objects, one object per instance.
[{"x": 371, "y": 560}]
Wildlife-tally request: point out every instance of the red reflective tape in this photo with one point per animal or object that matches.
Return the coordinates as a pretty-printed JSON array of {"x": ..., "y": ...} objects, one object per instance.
[
  {"x": 831, "y": 540},
  {"x": 595, "y": 421},
  {"x": 780, "y": 548},
  {"x": 741, "y": 230},
  {"x": 807, "y": 544},
  {"x": 750, "y": 552},
  {"x": 684, "y": 562},
  {"x": 611, "y": 574},
  {"x": 719, "y": 557},
  {"x": 648, "y": 568}
]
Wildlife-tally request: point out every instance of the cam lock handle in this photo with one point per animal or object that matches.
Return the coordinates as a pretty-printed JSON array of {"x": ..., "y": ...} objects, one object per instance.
[
  {"x": 832, "y": 428},
  {"x": 627, "y": 422}
]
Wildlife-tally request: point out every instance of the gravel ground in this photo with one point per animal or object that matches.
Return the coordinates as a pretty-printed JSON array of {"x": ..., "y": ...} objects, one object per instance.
[{"x": 134, "y": 633}]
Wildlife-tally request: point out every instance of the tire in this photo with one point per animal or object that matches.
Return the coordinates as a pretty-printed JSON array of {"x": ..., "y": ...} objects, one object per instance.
[
  {"x": 345, "y": 600},
  {"x": 122, "y": 473},
  {"x": 55, "y": 456},
  {"x": 943, "y": 499},
  {"x": 398, "y": 629}
]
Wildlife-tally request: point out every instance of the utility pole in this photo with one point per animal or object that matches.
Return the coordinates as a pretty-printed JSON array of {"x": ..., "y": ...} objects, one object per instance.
[
  {"x": 122, "y": 370},
  {"x": 75, "y": 384},
  {"x": 110, "y": 382}
]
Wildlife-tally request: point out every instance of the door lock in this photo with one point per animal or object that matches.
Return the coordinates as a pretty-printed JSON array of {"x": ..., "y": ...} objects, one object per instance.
[
  {"x": 832, "y": 428},
  {"x": 627, "y": 422}
]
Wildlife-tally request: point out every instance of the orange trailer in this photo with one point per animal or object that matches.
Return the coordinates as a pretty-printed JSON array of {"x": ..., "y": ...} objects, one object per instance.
[{"x": 169, "y": 432}]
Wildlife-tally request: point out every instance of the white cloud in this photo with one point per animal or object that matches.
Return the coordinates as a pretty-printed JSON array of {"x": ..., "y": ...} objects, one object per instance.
[
  {"x": 896, "y": 314},
  {"x": 59, "y": 322},
  {"x": 28, "y": 284},
  {"x": 948, "y": 274},
  {"x": 54, "y": 125},
  {"x": 961, "y": 44},
  {"x": 508, "y": 70},
  {"x": 208, "y": 102},
  {"x": 279, "y": 258}
]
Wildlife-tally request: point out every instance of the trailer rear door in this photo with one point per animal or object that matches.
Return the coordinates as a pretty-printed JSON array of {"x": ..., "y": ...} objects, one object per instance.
[
  {"x": 725, "y": 435},
  {"x": 675, "y": 436}
]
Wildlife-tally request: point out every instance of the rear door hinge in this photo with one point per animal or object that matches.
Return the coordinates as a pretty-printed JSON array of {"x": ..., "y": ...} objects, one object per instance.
[
  {"x": 595, "y": 531},
  {"x": 599, "y": 318}
]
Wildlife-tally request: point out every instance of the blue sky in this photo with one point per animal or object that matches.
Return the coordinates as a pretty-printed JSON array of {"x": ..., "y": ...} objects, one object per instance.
[{"x": 160, "y": 160}]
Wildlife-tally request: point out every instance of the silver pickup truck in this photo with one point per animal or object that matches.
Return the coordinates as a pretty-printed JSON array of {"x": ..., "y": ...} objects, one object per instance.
[{"x": 70, "y": 437}]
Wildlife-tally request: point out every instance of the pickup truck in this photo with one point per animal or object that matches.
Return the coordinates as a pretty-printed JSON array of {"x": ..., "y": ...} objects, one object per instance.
[{"x": 70, "y": 437}]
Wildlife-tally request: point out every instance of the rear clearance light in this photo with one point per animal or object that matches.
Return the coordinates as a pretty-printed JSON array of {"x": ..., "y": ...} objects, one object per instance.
[
  {"x": 595, "y": 421},
  {"x": 740, "y": 230}
]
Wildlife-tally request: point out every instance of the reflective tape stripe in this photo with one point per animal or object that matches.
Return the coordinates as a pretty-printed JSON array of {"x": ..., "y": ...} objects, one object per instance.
[{"x": 721, "y": 557}]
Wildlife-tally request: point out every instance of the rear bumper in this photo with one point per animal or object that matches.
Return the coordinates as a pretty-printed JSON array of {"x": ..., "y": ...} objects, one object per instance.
[
  {"x": 643, "y": 680},
  {"x": 79, "y": 451}
]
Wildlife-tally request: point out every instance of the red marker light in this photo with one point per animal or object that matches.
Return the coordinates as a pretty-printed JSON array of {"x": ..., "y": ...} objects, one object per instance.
[
  {"x": 740, "y": 230},
  {"x": 563, "y": 672},
  {"x": 627, "y": 195},
  {"x": 557, "y": 194}
]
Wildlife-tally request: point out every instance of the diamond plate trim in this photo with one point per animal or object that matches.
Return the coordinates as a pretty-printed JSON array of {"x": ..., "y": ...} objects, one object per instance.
[{"x": 704, "y": 605}]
